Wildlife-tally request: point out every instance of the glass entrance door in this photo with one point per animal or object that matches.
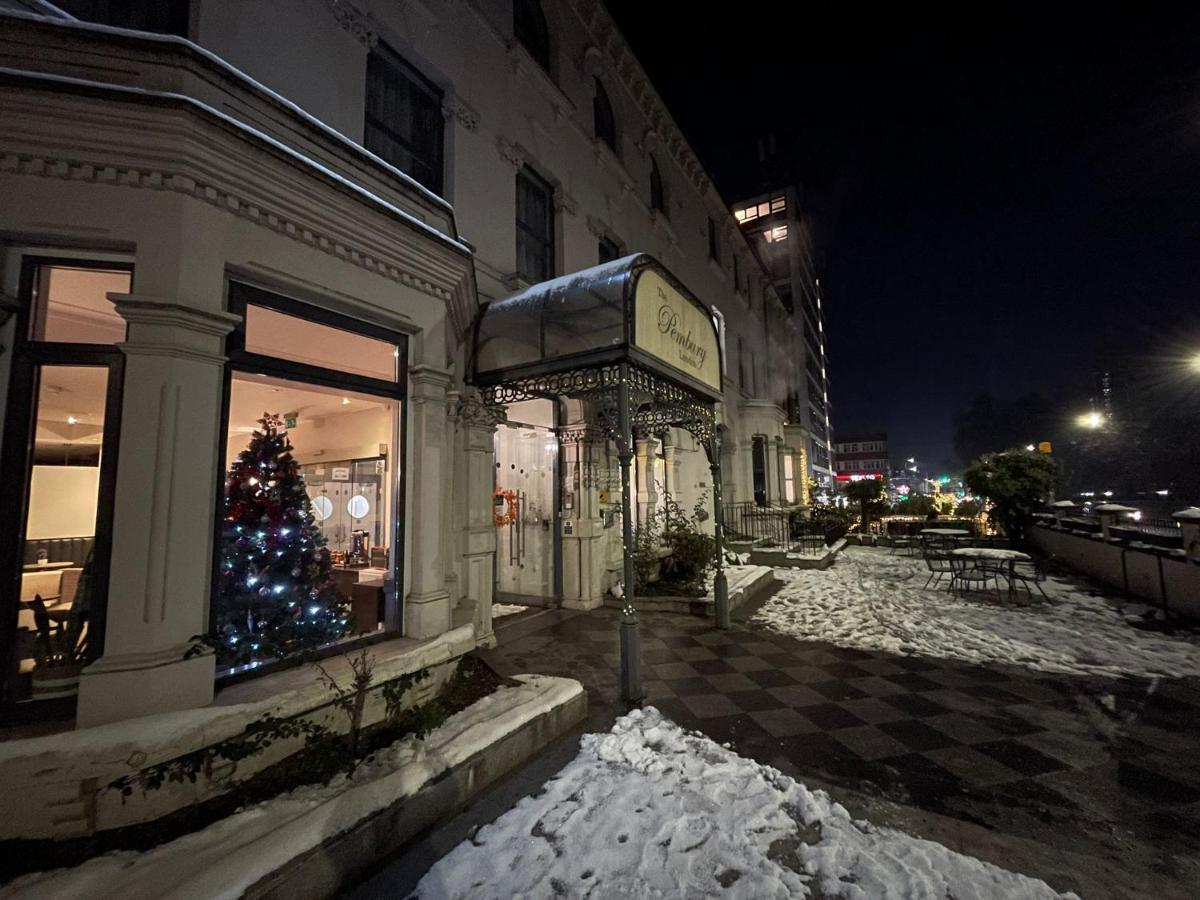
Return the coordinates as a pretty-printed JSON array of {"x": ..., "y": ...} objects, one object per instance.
[{"x": 525, "y": 472}]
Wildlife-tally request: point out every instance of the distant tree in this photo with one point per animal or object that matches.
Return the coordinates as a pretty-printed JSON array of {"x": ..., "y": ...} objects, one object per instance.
[
  {"x": 1017, "y": 482},
  {"x": 968, "y": 509},
  {"x": 916, "y": 505},
  {"x": 866, "y": 492}
]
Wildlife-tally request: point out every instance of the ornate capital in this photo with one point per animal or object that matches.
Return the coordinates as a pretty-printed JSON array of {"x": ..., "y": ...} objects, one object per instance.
[
  {"x": 511, "y": 153},
  {"x": 472, "y": 412},
  {"x": 460, "y": 112},
  {"x": 598, "y": 227},
  {"x": 359, "y": 25},
  {"x": 564, "y": 202}
]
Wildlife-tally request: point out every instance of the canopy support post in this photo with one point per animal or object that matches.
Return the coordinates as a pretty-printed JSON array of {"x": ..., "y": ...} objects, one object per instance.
[
  {"x": 631, "y": 662},
  {"x": 720, "y": 584}
]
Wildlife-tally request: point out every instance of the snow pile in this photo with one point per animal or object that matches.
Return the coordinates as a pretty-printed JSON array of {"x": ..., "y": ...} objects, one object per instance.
[
  {"x": 229, "y": 856},
  {"x": 874, "y": 600},
  {"x": 649, "y": 810},
  {"x": 499, "y": 610}
]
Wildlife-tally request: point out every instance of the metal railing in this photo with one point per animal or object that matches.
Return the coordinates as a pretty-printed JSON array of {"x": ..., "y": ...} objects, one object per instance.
[{"x": 778, "y": 527}]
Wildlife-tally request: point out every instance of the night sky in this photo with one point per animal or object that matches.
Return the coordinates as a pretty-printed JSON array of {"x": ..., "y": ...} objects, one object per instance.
[{"x": 1006, "y": 200}]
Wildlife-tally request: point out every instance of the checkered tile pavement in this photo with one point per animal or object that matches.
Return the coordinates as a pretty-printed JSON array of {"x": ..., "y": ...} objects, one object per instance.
[{"x": 985, "y": 744}]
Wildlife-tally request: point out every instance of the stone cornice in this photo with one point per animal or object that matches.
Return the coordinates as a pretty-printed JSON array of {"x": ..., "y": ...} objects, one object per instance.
[
  {"x": 167, "y": 143},
  {"x": 359, "y": 25}
]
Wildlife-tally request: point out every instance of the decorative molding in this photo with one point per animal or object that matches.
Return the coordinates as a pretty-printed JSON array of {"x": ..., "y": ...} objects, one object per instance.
[
  {"x": 460, "y": 112},
  {"x": 512, "y": 153},
  {"x": 356, "y": 23},
  {"x": 564, "y": 202},
  {"x": 472, "y": 412},
  {"x": 224, "y": 200}
]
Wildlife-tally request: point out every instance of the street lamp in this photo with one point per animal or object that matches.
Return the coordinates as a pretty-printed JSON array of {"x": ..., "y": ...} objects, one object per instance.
[
  {"x": 1196, "y": 363},
  {"x": 1092, "y": 420}
]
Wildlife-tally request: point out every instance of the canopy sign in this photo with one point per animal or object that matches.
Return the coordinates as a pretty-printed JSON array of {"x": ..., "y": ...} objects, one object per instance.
[{"x": 672, "y": 329}]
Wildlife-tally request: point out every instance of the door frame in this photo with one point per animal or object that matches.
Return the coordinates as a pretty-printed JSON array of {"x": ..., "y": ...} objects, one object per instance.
[
  {"x": 16, "y": 462},
  {"x": 556, "y": 584}
]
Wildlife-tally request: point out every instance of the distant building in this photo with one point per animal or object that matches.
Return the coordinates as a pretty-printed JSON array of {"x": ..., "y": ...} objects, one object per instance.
[
  {"x": 861, "y": 455},
  {"x": 778, "y": 232}
]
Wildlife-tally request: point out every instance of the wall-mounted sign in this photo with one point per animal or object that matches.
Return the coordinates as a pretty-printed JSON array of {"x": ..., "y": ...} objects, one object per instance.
[
  {"x": 339, "y": 473},
  {"x": 290, "y": 421},
  {"x": 672, "y": 329}
]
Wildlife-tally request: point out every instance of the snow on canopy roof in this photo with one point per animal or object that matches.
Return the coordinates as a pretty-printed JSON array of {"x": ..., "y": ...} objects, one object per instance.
[
  {"x": 1191, "y": 514},
  {"x": 1064, "y": 503},
  {"x": 585, "y": 314},
  {"x": 1113, "y": 507}
]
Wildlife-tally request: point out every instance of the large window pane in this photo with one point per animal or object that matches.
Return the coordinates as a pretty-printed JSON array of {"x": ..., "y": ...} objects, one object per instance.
[
  {"x": 309, "y": 517},
  {"x": 71, "y": 305},
  {"x": 404, "y": 123},
  {"x": 58, "y": 595},
  {"x": 272, "y": 333}
]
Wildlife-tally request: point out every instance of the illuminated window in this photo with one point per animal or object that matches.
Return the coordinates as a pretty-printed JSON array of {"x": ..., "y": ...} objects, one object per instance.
[
  {"x": 789, "y": 478},
  {"x": 775, "y": 235},
  {"x": 778, "y": 204}
]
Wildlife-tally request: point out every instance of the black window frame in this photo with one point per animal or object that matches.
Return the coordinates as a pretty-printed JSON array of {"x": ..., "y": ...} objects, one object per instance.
[
  {"x": 528, "y": 234},
  {"x": 532, "y": 30},
  {"x": 658, "y": 194},
  {"x": 604, "y": 120},
  {"x": 379, "y": 135},
  {"x": 241, "y": 294},
  {"x": 714, "y": 245},
  {"x": 16, "y": 461}
]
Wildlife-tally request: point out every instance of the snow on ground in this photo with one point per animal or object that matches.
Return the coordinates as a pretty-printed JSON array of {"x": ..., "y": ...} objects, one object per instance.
[
  {"x": 224, "y": 859},
  {"x": 649, "y": 810},
  {"x": 506, "y": 609},
  {"x": 871, "y": 599}
]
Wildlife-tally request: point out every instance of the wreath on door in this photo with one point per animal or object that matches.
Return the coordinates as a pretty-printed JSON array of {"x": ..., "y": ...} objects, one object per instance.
[{"x": 504, "y": 507}]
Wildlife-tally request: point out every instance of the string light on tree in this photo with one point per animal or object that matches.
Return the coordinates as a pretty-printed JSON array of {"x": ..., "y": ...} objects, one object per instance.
[{"x": 277, "y": 593}]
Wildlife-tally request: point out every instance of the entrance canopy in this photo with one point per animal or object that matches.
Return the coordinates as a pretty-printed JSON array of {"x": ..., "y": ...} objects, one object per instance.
[
  {"x": 628, "y": 337},
  {"x": 571, "y": 337}
]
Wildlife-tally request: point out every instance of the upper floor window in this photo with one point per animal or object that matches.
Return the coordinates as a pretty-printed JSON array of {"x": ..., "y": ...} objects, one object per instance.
[
  {"x": 737, "y": 275},
  {"x": 777, "y": 234},
  {"x": 530, "y": 28},
  {"x": 758, "y": 210},
  {"x": 658, "y": 200},
  {"x": 603, "y": 120},
  {"x": 159, "y": 16},
  {"x": 608, "y": 250},
  {"x": 404, "y": 117},
  {"x": 71, "y": 305},
  {"x": 535, "y": 227},
  {"x": 714, "y": 248}
]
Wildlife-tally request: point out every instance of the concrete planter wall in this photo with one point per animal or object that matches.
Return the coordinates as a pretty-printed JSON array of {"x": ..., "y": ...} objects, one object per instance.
[{"x": 1161, "y": 578}]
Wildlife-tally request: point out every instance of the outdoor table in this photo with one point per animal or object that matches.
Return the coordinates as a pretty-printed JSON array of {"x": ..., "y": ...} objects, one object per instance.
[{"x": 1009, "y": 557}]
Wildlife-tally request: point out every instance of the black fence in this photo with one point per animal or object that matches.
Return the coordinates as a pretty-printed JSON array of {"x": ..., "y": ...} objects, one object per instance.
[{"x": 776, "y": 527}]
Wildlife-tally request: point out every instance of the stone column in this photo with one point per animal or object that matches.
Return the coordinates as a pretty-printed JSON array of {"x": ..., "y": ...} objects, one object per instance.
[
  {"x": 671, "y": 469},
  {"x": 477, "y": 425},
  {"x": 427, "y": 606},
  {"x": 163, "y": 515},
  {"x": 647, "y": 491}
]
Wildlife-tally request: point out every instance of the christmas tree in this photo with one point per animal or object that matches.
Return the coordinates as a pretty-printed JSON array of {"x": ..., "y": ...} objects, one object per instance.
[{"x": 277, "y": 593}]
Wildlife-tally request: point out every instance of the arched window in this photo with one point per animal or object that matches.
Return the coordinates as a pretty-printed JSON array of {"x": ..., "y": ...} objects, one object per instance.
[
  {"x": 603, "y": 120},
  {"x": 658, "y": 199},
  {"x": 530, "y": 28}
]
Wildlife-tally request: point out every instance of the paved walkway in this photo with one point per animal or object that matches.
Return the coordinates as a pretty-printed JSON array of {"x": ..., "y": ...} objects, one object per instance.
[{"x": 1091, "y": 784}]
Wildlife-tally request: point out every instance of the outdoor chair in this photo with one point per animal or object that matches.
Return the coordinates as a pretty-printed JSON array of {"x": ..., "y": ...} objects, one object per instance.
[
  {"x": 1030, "y": 575},
  {"x": 940, "y": 564},
  {"x": 900, "y": 541},
  {"x": 972, "y": 574}
]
